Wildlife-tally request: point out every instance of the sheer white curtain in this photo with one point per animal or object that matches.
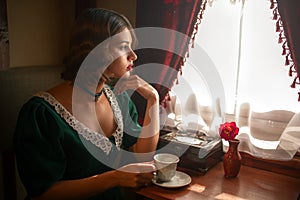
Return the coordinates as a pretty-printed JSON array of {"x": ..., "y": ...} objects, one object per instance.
[{"x": 255, "y": 80}]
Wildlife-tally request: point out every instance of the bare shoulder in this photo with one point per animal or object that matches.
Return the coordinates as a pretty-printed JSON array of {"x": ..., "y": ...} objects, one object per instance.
[{"x": 63, "y": 94}]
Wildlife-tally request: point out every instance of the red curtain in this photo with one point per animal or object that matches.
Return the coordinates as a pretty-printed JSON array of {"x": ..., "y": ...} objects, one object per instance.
[
  {"x": 179, "y": 15},
  {"x": 287, "y": 16}
]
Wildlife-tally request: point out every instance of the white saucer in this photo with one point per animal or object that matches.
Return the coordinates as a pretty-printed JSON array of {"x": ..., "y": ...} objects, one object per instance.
[{"x": 179, "y": 180}]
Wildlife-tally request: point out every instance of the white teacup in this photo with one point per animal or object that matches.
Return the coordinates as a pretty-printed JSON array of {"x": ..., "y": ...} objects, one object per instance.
[{"x": 166, "y": 165}]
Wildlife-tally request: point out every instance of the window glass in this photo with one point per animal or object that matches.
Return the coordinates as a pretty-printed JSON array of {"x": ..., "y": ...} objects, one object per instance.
[
  {"x": 262, "y": 79},
  {"x": 242, "y": 45}
]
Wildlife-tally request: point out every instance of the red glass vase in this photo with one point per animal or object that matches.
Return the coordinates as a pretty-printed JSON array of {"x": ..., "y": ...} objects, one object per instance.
[{"x": 232, "y": 159}]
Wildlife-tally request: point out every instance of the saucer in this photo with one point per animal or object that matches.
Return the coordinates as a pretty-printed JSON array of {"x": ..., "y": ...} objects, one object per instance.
[{"x": 179, "y": 180}]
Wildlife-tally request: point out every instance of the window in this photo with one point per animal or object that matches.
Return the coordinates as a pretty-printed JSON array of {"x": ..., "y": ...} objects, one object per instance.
[
  {"x": 263, "y": 79},
  {"x": 242, "y": 43}
]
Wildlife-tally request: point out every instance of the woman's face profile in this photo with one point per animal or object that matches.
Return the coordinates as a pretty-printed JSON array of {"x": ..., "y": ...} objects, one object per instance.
[{"x": 123, "y": 55}]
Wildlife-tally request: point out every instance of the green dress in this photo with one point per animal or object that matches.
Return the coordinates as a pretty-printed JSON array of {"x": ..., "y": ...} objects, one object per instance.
[{"x": 51, "y": 145}]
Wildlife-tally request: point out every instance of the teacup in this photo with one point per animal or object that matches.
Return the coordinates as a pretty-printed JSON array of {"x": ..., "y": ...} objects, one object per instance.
[{"x": 166, "y": 165}]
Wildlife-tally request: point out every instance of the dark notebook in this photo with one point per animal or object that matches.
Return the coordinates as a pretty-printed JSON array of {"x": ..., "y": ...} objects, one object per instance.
[{"x": 196, "y": 150}]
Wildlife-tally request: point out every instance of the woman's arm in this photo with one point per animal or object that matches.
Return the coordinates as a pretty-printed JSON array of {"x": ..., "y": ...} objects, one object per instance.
[
  {"x": 147, "y": 141},
  {"x": 148, "y": 138},
  {"x": 80, "y": 188},
  {"x": 133, "y": 175}
]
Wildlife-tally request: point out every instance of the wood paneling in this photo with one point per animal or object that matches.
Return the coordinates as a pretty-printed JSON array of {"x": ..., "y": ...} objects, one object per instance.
[{"x": 4, "y": 42}]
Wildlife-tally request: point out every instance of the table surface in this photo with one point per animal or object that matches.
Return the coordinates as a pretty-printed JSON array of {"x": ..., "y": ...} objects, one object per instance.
[{"x": 251, "y": 183}]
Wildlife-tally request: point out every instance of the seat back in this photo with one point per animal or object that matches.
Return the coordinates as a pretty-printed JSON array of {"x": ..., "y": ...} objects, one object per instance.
[{"x": 17, "y": 85}]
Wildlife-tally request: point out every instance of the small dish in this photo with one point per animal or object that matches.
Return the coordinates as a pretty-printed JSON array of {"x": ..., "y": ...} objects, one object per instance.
[{"x": 179, "y": 180}]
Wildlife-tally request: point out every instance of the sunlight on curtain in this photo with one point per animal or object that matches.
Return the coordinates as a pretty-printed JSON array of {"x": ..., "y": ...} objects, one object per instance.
[
  {"x": 262, "y": 91},
  {"x": 264, "y": 80}
]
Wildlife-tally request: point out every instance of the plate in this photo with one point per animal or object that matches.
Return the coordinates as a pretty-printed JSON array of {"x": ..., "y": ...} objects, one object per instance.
[{"x": 179, "y": 180}]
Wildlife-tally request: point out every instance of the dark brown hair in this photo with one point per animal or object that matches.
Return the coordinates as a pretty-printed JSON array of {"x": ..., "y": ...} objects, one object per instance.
[{"x": 92, "y": 27}]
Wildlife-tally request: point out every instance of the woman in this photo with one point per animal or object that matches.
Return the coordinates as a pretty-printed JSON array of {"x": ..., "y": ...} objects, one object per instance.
[{"x": 73, "y": 143}]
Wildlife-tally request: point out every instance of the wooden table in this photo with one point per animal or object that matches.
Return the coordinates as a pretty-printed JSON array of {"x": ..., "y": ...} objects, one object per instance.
[{"x": 251, "y": 183}]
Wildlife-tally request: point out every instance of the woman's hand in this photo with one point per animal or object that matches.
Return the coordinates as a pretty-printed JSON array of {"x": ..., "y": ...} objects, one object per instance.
[
  {"x": 135, "y": 175},
  {"x": 148, "y": 139},
  {"x": 134, "y": 82}
]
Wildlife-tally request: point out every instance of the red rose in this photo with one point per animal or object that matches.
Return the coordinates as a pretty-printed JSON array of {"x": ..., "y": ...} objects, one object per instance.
[{"x": 228, "y": 130}]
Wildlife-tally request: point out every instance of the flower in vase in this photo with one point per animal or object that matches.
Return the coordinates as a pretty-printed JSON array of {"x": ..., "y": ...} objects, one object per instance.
[{"x": 228, "y": 130}]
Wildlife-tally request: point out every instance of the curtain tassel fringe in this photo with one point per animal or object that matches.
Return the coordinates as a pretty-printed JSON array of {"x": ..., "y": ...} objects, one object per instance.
[
  {"x": 201, "y": 15},
  {"x": 291, "y": 71},
  {"x": 278, "y": 25},
  {"x": 283, "y": 51},
  {"x": 295, "y": 82},
  {"x": 275, "y": 14},
  {"x": 272, "y": 4},
  {"x": 278, "y": 28},
  {"x": 284, "y": 48},
  {"x": 287, "y": 61},
  {"x": 281, "y": 38}
]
